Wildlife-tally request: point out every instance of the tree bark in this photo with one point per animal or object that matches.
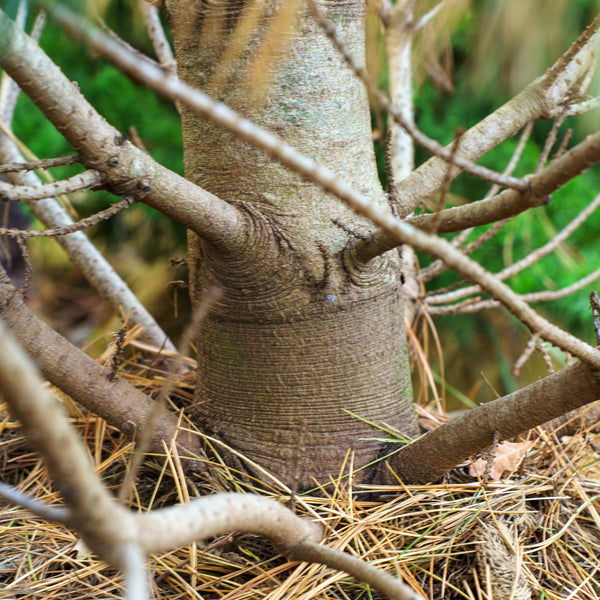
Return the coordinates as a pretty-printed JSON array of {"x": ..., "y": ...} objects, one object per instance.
[{"x": 302, "y": 336}]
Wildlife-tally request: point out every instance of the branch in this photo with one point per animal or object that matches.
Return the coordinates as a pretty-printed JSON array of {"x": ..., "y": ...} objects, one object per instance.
[
  {"x": 55, "y": 514},
  {"x": 79, "y": 226},
  {"x": 123, "y": 538},
  {"x": 438, "y": 266},
  {"x": 33, "y": 165},
  {"x": 82, "y": 252},
  {"x": 158, "y": 38},
  {"x": 294, "y": 537},
  {"x": 26, "y": 193},
  {"x": 84, "y": 380},
  {"x": 474, "y": 305},
  {"x": 435, "y": 453},
  {"x": 526, "y": 261},
  {"x": 102, "y": 522},
  {"x": 502, "y": 206},
  {"x": 127, "y": 170}
]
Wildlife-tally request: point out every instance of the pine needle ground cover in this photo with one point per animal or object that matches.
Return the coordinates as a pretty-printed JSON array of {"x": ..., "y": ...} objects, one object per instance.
[{"x": 534, "y": 532}]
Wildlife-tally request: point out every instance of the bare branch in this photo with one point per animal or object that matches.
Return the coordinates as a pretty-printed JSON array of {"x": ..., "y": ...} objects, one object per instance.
[
  {"x": 158, "y": 38},
  {"x": 438, "y": 266},
  {"x": 428, "y": 16},
  {"x": 56, "y": 514},
  {"x": 79, "y": 226},
  {"x": 527, "y": 353},
  {"x": 101, "y": 521},
  {"x": 127, "y": 170},
  {"x": 506, "y": 204},
  {"x": 33, "y": 165},
  {"x": 26, "y": 193},
  {"x": 474, "y": 305},
  {"x": 434, "y": 453},
  {"x": 578, "y": 108},
  {"x": 83, "y": 379},
  {"x": 342, "y": 561}
]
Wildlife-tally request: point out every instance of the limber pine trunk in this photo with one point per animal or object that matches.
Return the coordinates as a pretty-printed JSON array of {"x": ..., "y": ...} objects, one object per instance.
[{"x": 302, "y": 335}]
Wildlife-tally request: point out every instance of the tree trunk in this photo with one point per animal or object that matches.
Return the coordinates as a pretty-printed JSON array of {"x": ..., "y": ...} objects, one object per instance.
[{"x": 303, "y": 335}]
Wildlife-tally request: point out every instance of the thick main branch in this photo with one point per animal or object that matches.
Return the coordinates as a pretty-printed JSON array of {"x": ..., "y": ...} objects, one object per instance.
[{"x": 438, "y": 451}]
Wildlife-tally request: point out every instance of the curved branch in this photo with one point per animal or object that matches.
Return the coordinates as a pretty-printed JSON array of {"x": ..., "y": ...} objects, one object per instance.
[
  {"x": 438, "y": 451},
  {"x": 102, "y": 522},
  {"x": 123, "y": 538},
  {"x": 73, "y": 228},
  {"x": 127, "y": 170}
]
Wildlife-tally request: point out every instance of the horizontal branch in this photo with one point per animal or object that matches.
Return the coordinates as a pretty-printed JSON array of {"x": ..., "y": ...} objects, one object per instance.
[
  {"x": 432, "y": 455},
  {"x": 27, "y": 193},
  {"x": 474, "y": 305},
  {"x": 126, "y": 169},
  {"x": 525, "y": 262},
  {"x": 72, "y": 228},
  {"x": 33, "y": 165}
]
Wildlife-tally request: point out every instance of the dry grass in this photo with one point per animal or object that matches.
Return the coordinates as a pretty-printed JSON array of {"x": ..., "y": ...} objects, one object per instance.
[{"x": 534, "y": 534}]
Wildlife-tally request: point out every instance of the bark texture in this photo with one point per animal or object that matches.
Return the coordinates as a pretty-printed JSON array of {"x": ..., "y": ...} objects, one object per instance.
[{"x": 302, "y": 334}]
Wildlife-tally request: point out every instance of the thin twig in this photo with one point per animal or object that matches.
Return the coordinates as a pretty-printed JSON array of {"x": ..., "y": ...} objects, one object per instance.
[
  {"x": 526, "y": 261},
  {"x": 79, "y": 226},
  {"x": 437, "y": 266},
  {"x": 525, "y": 356},
  {"x": 474, "y": 305},
  {"x": 87, "y": 180},
  {"x": 158, "y": 37},
  {"x": 72, "y": 159},
  {"x": 56, "y": 514}
]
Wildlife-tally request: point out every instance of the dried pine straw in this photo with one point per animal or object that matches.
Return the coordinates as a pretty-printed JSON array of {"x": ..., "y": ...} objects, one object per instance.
[{"x": 533, "y": 534}]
